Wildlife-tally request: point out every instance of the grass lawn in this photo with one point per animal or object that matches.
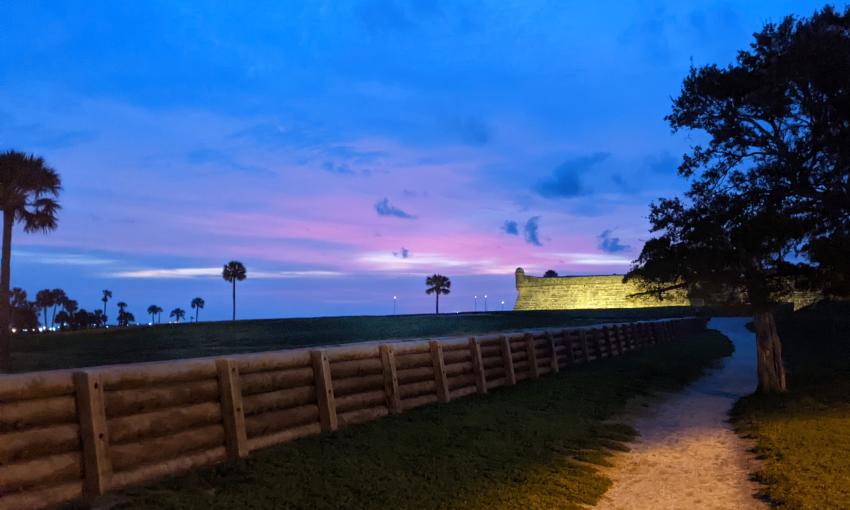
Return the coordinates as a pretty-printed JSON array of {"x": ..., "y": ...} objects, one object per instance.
[
  {"x": 804, "y": 436},
  {"x": 174, "y": 341},
  {"x": 537, "y": 445}
]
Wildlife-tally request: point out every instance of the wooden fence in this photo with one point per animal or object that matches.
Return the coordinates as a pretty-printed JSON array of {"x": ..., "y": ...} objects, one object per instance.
[{"x": 79, "y": 433}]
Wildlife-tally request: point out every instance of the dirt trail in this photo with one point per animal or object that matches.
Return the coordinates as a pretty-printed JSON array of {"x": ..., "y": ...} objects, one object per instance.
[{"x": 687, "y": 456}]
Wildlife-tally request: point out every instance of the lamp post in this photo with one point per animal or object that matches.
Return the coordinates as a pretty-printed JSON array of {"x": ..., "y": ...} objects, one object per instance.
[
  {"x": 475, "y": 307},
  {"x": 485, "y": 302},
  {"x": 395, "y": 304},
  {"x": 503, "y": 305}
]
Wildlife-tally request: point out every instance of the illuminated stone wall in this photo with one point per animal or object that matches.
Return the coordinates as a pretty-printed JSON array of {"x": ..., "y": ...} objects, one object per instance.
[{"x": 583, "y": 292}]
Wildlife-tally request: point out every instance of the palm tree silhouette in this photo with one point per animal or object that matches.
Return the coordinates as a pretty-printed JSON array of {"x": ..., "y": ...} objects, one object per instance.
[
  {"x": 121, "y": 315},
  {"x": 438, "y": 284},
  {"x": 177, "y": 314},
  {"x": 234, "y": 271},
  {"x": 107, "y": 295},
  {"x": 154, "y": 310},
  {"x": 197, "y": 304},
  {"x": 44, "y": 300},
  {"x": 59, "y": 297},
  {"x": 28, "y": 192}
]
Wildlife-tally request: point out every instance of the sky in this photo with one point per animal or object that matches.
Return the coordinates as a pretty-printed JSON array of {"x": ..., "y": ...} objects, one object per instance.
[{"x": 343, "y": 150}]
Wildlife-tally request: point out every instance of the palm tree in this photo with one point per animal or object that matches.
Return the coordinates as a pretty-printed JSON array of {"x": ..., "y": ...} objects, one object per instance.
[
  {"x": 17, "y": 301},
  {"x": 28, "y": 192},
  {"x": 154, "y": 310},
  {"x": 70, "y": 306},
  {"x": 197, "y": 304},
  {"x": 438, "y": 284},
  {"x": 62, "y": 318},
  {"x": 96, "y": 318},
  {"x": 107, "y": 295},
  {"x": 44, "y": 300},
  {"x": 234, "y": 271},
  {"x": 121, "y": 315},
  {"x": 59, "y": 298},
  {"x": 178, "y": 314}
]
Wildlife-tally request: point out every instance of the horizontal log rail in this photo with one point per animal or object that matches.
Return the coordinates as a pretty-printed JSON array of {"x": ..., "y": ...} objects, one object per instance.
[{"x": 80, "y": 433}]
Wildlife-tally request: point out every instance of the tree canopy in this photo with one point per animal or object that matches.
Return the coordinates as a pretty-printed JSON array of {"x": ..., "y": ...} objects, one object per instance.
[{"x": 769, "y": 201}]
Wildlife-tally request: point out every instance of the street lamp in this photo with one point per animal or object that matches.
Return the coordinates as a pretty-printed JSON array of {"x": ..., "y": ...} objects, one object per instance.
[
  {"x": 395, "y": 304},
  {"x": 475, "y": 308},
  {"x": 503, "y": 305},
  {"x": 485, "y": 302}
]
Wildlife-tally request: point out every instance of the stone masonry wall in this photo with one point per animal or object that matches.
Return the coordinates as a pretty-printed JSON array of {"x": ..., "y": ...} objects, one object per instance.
[{"x": 583, "y": 292}]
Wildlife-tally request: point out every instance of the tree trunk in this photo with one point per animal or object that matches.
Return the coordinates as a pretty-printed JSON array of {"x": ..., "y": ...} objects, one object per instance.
[
  {"x": 234, "y": 299},
  {"x": 5, "y": 277},
  {"x": 771, "y": 371},
  {"x": 196, "y": 314},
  {"x": 104, "y": 312},
  {"x": 438, "y": 303}
]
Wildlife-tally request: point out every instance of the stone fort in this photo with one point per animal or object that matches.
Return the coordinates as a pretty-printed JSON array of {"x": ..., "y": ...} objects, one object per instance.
[{"x": 584, "y": 292}]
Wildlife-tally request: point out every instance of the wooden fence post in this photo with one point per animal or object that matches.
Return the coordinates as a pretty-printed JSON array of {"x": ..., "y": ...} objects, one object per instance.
[
  {"x": 91, "y": 410},
  {"x": 390, "y": 379},
  {"x": 556, "y": 366},
  {"x": 232, "y": 413},
  {"x": 508, "y": 360},
  {"x": 324, "y": 390},
  {"x": 477, "y": 365},
  {"x": 533, "y": 370},
  {"x": 599, "y": 340},
  {"x": 439, "y": 363},
  {"x": 623, "y": 339},
  {"x": 606, "y": 335},
  {"x": 582, "y": 337},
  {"x": 634, "y": 342}
]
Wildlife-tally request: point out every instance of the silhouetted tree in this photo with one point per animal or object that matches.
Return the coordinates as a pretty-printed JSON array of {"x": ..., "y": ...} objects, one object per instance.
[
  {"x": 438, "y": 284},
  {"x": 107, "y": 295},
  {"x": 82, "y": 319},
  {"x": 234, "y": 271},
  {"x": 44, "y": 300},
  {"x": 24, "y": 313},
  {"x": 63, "y": 319},
  {"x": 769, "y": 200},
  {"x": 177, "y": 314},
  {"x": 550, "y": 274},
  {"x": 197, "y": 304},
  {"x": 122, "y": 313},
  {"x": 154, "y": 310},
  {"x": 59, "y": 297},
  {"x": 70, "y": 306},
  {"x": 28, "y": 192},
  {"x": 96, "y": 319}
]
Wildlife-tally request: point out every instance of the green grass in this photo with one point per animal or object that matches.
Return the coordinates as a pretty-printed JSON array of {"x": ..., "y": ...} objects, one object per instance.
[
  {"x": 804, "y": 436},
  {"x": 537, "y": 445},
  {"x": 136, "y": 344}
]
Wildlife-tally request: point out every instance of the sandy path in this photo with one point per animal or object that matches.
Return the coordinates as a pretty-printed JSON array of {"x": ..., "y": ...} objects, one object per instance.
[{"x": 687, "y": 456}]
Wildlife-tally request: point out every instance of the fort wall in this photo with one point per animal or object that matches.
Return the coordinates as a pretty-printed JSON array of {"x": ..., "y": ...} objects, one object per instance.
[{"x": 584, "y": 292}]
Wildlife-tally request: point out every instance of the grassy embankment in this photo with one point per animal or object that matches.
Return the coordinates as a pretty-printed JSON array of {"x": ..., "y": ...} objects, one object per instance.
[
  {"x": 537, "y": 445},
  {"x": 175, "y": 341},
  {"x": 804, "y": 436}
]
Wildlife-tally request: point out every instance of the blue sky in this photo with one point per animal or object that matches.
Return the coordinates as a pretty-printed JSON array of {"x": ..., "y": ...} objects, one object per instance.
[{"x": 344, "y": 150}]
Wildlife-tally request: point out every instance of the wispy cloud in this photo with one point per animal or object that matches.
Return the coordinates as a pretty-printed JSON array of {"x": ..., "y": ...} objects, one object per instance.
[
  {"x": 566, "y": 179},
  {"x": 68, "y": 259},
  {"x": 385, "y": 208},
  {"x": 511, "y": 228},
  {"x": 610, "y": 244},
  {"x": 208, "y": 272},
  {"x": 337, "y": 168},
  {"x": 593, "y": 259},
  {"x": 531, "y": 231}
]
